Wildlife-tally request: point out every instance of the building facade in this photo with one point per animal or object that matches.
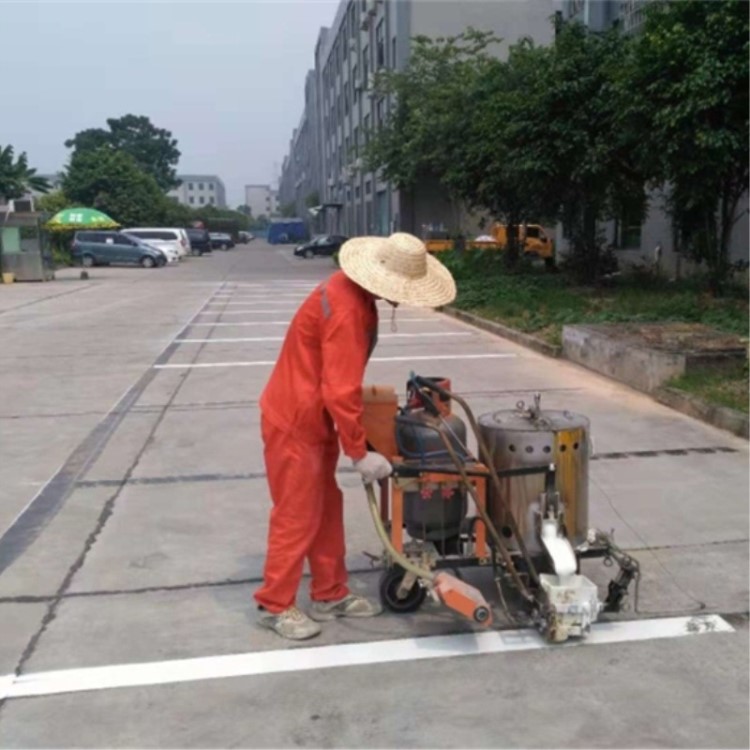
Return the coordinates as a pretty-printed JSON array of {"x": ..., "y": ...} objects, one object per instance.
[
  {"x": 342, "y": 112},
  {"x": 199, "y": 190},
  {"x": 262, "y": 200}
]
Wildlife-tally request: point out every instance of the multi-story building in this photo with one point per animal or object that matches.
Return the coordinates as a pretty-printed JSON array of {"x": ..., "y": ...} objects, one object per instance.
[
  {"x": 196, "y": 190},
  {"x": 262, "y": 200},
  {"x": 301, "y": 180},
  {"x": 367, "y": 36}
]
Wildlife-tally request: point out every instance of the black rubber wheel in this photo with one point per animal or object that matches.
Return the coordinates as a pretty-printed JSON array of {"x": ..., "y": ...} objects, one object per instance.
[
  {"x": 147, "y": 261},
  {"x": 87, "y": 261},
  {"x": 309, "y": 254},
  {"x": 390, "y": 580}
]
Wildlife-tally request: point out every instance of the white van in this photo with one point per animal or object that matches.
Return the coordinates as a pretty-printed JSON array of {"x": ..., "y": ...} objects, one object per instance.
[{"x": 171, "y": 240}]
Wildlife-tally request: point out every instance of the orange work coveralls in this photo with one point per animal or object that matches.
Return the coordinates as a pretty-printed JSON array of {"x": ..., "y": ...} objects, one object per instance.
[{"x": 312, "y": 402}]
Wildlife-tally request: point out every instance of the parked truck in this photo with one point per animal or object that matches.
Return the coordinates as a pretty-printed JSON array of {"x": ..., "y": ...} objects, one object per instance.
[{"x": 534, "y": 239}]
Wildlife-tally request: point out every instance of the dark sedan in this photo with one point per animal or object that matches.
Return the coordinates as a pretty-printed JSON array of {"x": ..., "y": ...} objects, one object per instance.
[
  {"x": 200, "y": 242},
  {"x": 326, "y": 244}
]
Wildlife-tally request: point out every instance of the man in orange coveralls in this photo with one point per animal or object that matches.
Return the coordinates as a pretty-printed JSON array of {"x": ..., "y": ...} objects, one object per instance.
[{"x": 313, "y": 403}]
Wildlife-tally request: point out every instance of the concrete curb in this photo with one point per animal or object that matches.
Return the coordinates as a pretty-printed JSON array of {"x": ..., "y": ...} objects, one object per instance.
[
  {"x": 722, "y": 417},
  {"x": 549, "y": 350}
]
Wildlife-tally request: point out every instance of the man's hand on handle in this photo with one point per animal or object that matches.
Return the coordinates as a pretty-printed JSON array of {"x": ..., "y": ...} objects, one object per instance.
[{"x": 373, "y": 467}]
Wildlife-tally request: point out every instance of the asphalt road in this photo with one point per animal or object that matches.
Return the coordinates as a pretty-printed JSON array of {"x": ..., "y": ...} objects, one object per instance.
[{"x": 133, "y": 518}]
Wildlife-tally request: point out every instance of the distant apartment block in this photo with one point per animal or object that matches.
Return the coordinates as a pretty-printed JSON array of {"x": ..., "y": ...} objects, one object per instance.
[
  {"x": 262, "y": 199},
  {"x": 196, "y": 190}
]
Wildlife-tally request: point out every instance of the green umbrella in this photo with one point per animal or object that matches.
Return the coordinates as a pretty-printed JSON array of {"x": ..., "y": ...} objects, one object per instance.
[{"x": 80, "y": 218}]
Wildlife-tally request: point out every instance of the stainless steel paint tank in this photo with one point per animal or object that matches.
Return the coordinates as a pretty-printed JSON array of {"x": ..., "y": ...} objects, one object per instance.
[{"x": 531, "y": 437}]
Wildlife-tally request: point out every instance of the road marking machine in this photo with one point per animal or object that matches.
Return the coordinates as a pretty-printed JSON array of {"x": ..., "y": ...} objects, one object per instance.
[{"x": 528, "y": 486}]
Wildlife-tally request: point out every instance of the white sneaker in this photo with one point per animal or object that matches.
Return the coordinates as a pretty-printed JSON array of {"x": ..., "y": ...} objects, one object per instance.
[
  {"x": 350, "y": 606},
  {"x": 292, "y": 624}
]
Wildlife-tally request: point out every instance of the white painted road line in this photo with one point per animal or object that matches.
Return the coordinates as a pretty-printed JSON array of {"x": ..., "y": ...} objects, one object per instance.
[
  {"x": 264, "y": 363},
  {"x": 281, "y": 338},
  {"x": 287, "y": 322},
  {"x": 344, "y": 655},
  {"x": 250, "y": 312}
]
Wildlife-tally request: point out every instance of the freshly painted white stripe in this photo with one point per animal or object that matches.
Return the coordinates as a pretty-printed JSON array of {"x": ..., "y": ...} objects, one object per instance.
[
  {"x": 263, "y": 363},
  {"x": 281, "y": 338},
  {"x": 343, "y": 655}
]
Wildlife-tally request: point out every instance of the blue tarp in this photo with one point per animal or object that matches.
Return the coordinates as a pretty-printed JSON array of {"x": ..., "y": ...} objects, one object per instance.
[{"x": 283, "y": 231}]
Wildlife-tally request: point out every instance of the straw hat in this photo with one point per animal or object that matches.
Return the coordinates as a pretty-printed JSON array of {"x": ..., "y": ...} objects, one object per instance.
[{"x": 399, "y": 269}]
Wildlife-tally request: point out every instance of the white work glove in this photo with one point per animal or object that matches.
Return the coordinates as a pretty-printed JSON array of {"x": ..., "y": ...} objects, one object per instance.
[{"x": 373, "y": 467}]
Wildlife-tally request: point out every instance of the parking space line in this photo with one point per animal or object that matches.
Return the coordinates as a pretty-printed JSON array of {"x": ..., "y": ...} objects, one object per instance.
[
  {"x": 265, "y": 363},
  {"x": 253, "y": 312},
  {"x": 344, "y": 655},
  {"x": 281, "y": 338},
  {"x": 287, "y": 322}
]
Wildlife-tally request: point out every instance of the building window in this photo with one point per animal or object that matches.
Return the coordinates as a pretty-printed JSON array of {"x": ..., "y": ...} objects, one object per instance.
[
  {"x": 357, "y": 192},
  {"x": 191, "y": 199},
  {"x": 210, "y": 186},
  {"x": 201, "y": 200},
  {"x": 368, "y": 187},
  {"x": 393, "y": 52},
  {"x": 355, "y": 86},
  {"x": 190, "y": 185},
  {"x": 365, "y": 65},
  {"x": 211, "y": 200},
  {"x": 366, "y": 126},
  {"x": 200, "y": 186},
  {"x": 380, "y": 113},
  {"x": 629, "y": 232},
  {"x": 380, "y": 45},
  {"x": 356, "y": 141}
]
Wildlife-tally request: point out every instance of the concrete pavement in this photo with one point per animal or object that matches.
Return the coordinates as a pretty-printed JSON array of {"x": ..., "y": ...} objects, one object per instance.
[{"x": 133, "y": 518}]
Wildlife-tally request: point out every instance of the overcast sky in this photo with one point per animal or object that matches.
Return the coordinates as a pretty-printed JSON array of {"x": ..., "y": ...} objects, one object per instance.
[{"x": 227, "y": 78}]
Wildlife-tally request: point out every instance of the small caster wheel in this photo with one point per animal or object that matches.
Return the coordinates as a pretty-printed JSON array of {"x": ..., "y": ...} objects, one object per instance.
[
  {"x": 390, "y": 581},
  {"x": 482, "y": 615}
]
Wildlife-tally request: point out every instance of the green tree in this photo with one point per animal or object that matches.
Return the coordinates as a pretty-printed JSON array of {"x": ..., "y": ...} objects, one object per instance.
[
  {"x": 245, "y": 209},
  {"x": 53, "y": 202},
  {"x": 568, "y": 137},
  {"x": 153, "y": 149},
  {"x": 689, "y": 69},
  {"x": 312, "y": 199},
  {"x": 112, "y": 182},
  {"x": 16, "y": 177},
  {"x": 288, "y": 210},
  {"x": 259, "y": 223}
]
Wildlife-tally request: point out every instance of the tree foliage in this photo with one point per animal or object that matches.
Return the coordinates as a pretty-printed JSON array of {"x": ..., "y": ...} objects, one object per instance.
[
  {"x": 576, "y": 131},
  {"x": 153, "y": 149},
  {"x": 689, "y": 69},
  {"x": 112, "y": 182},
  {"x": 53, "y": 202},
  {"x": 16, "y": 177}
]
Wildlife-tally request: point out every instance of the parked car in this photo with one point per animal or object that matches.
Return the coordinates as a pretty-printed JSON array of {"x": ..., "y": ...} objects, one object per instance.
[
  {"x": 200, "y": 242},
  {"x": 163, "y": 238},
  {"x": 246, "y": 237},
  {"x": 168, "y": 247},
  {"x": 326, "y": 244},
  {"x": 221, "y": 240},
  {"x": 108, "y": 248}
]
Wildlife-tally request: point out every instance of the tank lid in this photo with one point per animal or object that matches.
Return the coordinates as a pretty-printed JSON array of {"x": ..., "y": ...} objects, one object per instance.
[{"x": 513, "y": 419}]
